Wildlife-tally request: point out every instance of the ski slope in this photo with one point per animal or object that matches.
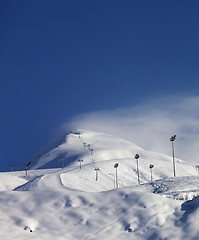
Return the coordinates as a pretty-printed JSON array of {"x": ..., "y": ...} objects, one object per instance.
[
  {"x": 99, "y": 150},
  {"x": 69, "y": 203}
]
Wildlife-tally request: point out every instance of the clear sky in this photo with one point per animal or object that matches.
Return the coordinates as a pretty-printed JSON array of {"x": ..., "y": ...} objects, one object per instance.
[{"x": 63, "y": 58}]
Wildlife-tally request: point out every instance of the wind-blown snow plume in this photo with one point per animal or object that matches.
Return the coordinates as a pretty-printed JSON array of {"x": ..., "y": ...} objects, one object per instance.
[{"x": 151, "y": 124}]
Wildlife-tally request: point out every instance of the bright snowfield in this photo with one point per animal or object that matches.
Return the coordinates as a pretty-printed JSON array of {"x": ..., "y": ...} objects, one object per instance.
[{"x": 70, "y": 204}]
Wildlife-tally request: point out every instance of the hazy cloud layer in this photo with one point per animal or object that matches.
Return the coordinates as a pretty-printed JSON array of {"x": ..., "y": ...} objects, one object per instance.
[{"x": 151, "y": 124}]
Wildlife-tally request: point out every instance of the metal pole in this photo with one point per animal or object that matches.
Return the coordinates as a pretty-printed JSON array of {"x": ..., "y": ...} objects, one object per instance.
[
  {"x": 96, "y": 169},
  {"x": 136, "y": 158},
  {"x": 174, "y": 170},
  {"x": 116, "y": 178},
  {"x": 62, "y": 161},
  {"x": 138, "y": 172},
  {"x": 26, "y": 167},
  {"x": 172, "y": 139},
  {"x": 80, "y": 163},
  {"x": 96, "y": 175},
  {"x": 151, "y": 167}
]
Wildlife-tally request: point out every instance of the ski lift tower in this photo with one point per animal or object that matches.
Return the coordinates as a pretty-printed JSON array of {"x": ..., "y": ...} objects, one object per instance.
[
  {"x": 116, "y": 178},
  {"x": 26, "y": 167},
  {"x": 80, "y": 163},
  {"x": 97, "y": 170},
  {"x": 62, "y": 161},
  {"x": 151, "y": 167},
  {"x": 136, "y": 158},
  {"x": 172, "y": 139}
]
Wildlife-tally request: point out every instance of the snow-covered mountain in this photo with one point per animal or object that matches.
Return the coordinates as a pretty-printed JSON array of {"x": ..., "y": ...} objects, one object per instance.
[
  {"x": 96, "y": 200},
  {"x": 101, "y": 151}
]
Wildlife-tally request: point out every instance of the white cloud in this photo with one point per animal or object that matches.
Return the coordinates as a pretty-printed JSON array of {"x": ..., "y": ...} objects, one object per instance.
[{"x": 151, "y": 124}]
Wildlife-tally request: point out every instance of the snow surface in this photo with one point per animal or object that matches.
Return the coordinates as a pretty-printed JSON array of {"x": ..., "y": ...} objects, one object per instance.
[{"x": 55, "y": 203}]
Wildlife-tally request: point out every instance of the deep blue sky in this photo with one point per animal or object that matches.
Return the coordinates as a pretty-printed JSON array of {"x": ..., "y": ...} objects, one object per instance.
[{"x": 62, "y": 58}]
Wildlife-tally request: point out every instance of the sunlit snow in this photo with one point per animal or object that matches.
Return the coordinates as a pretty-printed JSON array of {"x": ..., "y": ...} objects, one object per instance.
[{"x": 78, "y": 202}]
